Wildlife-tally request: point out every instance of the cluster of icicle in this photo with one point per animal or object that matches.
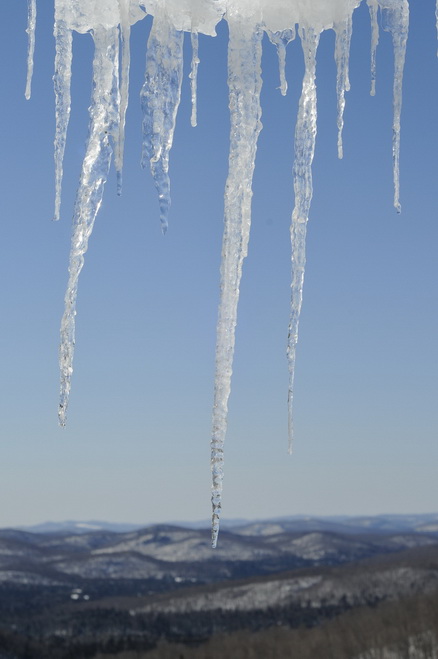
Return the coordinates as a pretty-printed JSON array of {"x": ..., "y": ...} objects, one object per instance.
[{"x": 109, "y": 22}]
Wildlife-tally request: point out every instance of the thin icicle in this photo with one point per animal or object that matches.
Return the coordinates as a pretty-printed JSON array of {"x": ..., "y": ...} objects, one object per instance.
[
  {"x": 281, "y": 50},
  {"x": 396, "y": 21},
  {"x": 104, "y": 118},
  {"x": 160, "y": 97},
  {"x": 280, "y": 40},
  {"x": 125, "y": 33},
  {"x": 305, "y": 137},
  {"x": 245, "y": 83},
  {"x": 343, "y": 32},
  {"x": 373, "y": 8},
  {"x": 31, "y": 25},
  {"x": 194, "y": 77},
  {"x": 61, "y": 83}
]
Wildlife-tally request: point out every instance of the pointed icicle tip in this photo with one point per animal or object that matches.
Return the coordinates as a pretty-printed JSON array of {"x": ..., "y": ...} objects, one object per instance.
[
  {"x": 214, "y": 536},
  {"x": 215, "y": 527},
  {"x": 119, "y": 184},
  {"x": 160, "y": 98},
  {"x": 61, "y": 416}
]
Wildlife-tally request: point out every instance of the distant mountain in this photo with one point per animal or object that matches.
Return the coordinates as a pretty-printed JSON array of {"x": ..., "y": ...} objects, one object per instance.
[
  {"x": 427, "y": 523},
  {"x": 70, "y": 526},
  {"x": 88, "y": 551},
  {"x": 339, "y": 524},
  {"x": 79, "y": 591}
]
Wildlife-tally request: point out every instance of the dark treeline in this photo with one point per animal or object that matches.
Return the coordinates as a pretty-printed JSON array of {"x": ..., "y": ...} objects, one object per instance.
[
  {"x": 365, "y": 632},
  {"x": 402, "y": 629}
]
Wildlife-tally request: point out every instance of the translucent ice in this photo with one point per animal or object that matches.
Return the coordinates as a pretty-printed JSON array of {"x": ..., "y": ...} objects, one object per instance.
[
  {"x": 160, "y": 99},
  {"x": 245, "y": 83},
  {"x": 31, "y": 25},
  {"x": 125, "y": 33},
  {"x": 194, "y": 77},
  {"x": 305, "y": 137},
  {"x": 396, "y": 21},
  {"x": 342, "y": 55},
  {"x": 103, "y": 132},
  {"x": 373, "y": 7},
  {"x": 280, "y": 40},
  {"x": 61, "y": 82},
  {"x": 110, "y": 21}
]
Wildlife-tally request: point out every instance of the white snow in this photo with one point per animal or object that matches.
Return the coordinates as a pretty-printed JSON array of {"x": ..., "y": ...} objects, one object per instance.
[{"x": 110, "y": 21}]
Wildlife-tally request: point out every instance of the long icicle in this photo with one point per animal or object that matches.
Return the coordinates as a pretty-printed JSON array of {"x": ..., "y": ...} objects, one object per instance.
[
  {"x": 396, "y": 21},
  {"x": 343, "y": 32},
  {"x": 160, "y": 97},
  {"x": 61, "y": 82},
  {"x": 305, "y": 137},
  {"x": 125, "y": 33},
  {"x": 31, "y": 26},
  {"x": 104, "y": 118},
  {"x": 245, "y": 83}
]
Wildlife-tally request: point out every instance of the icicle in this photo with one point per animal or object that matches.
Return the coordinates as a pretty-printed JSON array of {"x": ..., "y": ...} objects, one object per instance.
[
  {"x": 125, "y": 33},
  {"x": 109, "y": 22},
  {"x": 343, "y": 32},
  {"x": 245, "y": 83},
  {"x": 194, "y": 76},
  {"x": 396, "y": 21},
  {"x": 281, "y": 51},
  {"x": 373, "y": 8},
  {"x": 61, "y": 82},
  {"x": 160, "y": 97},
  {"x": 31, "y": 25},
  {"x": 104, "y": 118},
  {"x": 280, "y": 40},
  {"x": 305, "y": 136}
]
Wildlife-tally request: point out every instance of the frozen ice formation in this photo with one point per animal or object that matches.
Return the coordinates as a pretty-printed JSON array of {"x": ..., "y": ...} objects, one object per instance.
[{"x": 109, "y": 22}]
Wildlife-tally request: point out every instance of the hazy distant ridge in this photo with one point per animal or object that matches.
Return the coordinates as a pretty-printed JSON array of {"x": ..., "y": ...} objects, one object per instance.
[{"x": 427, "y": 522}]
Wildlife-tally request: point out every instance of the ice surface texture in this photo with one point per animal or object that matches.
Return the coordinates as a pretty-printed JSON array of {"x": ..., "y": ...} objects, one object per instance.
[
  {"x": 245, "y": 83},
  {"x": 110, "y": 21},
  {"x": 31, "y": 25},
  {"x": 103, "y": 132}
]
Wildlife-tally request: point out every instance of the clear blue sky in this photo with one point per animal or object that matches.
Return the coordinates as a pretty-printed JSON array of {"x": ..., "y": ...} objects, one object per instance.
[{"x": 137, "y": 443}]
